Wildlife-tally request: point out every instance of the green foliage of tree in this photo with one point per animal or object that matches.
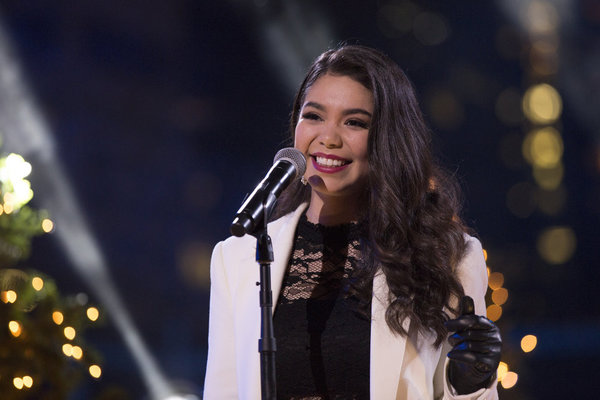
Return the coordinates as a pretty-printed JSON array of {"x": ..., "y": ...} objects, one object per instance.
[{"x": 37, "y": 360}]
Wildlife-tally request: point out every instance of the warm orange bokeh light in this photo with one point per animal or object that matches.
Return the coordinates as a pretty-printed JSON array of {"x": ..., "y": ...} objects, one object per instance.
[
  {"x": 92, "y": 313},
  {"x": 496, "y": 280},
  {"x": 15, "y": 328},
  {"x": 58, "y": 317},
  {"x": 494, "y": 312},
  {"x": 69, "y": 332},
  {"x": 37, "y": 283},
  {"x": 510, "y": 380},
  {"x": 499, "y": 296},
  {"x": 95, "y": 371},
  {"x": 528, "y": 343}
]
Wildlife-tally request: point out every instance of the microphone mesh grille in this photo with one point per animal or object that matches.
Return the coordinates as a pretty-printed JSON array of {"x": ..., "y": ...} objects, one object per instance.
[{"x": 294, "y": 156}]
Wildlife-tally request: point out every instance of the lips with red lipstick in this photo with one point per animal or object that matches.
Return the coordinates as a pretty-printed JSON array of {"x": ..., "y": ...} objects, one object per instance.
[{"x": 328, "y": 163}]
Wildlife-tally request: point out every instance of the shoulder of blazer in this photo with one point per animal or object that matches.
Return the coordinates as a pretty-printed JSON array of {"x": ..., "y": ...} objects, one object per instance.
[
  {"x": 472, "y": 273},
  {"x": 282, "y": 225}
]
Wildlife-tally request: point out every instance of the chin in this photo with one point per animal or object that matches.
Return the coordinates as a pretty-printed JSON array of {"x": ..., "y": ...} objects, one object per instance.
[{"x": 335, "y": 191}]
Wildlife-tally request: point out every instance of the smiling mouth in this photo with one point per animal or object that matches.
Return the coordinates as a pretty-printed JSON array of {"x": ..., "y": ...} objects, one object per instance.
[{"x": 330, "y": 162}]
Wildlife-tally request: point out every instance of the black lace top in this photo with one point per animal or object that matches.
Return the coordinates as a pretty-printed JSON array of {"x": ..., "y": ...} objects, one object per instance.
[{"x": 322, "y": 336}]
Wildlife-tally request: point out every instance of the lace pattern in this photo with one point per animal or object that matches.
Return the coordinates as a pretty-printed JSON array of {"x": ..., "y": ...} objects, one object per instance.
[
  {"x": 322, "y": 336},
  {"x": 322, "y": 261}
]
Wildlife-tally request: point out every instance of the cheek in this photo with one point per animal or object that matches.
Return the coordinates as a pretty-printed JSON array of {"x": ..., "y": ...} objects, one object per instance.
[
  {"x": 360, "y": 148},
  {"x": 364, "y": 154},
  {"x": 301, "y": 139}
]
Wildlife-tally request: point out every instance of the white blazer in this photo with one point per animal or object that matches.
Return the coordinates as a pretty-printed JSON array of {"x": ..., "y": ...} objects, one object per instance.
[{"x": 400, "y": 367}]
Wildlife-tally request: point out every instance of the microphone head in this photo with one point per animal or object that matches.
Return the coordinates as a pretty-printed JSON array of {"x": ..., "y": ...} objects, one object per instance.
[{"x": 295, "y": 157}]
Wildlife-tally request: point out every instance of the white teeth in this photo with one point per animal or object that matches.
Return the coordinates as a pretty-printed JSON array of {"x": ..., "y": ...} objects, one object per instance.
[{"x": 328, "y": 162}]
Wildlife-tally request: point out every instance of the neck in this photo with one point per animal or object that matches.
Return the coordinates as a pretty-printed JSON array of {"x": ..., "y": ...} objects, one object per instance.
[{"x": 329, "y": 211}]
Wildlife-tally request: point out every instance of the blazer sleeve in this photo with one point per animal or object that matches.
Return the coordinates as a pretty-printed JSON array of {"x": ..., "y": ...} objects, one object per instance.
[
  {"x": 220, "y": 380},
  {"x": 472, "y": 274}
]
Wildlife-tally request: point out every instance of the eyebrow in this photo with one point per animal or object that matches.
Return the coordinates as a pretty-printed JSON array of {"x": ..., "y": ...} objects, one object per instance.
[{"x": 345, "y": 112}]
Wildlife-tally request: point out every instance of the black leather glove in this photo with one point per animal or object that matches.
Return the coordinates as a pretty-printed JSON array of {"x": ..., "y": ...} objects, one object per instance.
[{"x": 476, "y": 346}]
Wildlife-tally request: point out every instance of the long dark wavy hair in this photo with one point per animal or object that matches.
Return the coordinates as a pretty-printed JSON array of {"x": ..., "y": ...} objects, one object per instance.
[{"x": 410, "y": 226}]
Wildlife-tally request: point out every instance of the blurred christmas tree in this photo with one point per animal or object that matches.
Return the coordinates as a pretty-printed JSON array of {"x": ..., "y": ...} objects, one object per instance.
[{"x": 42, "y": 352}]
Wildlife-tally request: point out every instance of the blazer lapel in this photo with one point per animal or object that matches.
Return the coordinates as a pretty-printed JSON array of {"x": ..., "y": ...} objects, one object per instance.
[
  {"x": 246, "y": 297},
  {"x": 283, "y": 242},
  {"x": 387, "y": 347}
]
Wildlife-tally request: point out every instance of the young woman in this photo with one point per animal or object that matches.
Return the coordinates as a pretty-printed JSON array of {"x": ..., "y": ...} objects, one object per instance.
[{"x": 371, "y": 258}]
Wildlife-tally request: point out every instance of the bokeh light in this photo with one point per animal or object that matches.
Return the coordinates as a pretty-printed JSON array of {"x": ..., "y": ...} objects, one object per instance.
[
  {"x": 430, "y": 29},
  {"x": 551, "y": 202},
  {"x": 509, "y": 380},
  {"x": 8, "y": 206},
  {"x": 9, "y": 296},
  {"x": 15, "y": 168},
  {"x": 95, "y": 371},
  {"x": 541, "y": 17},
  {"x": 521, "y": 199},
  {"x": 193, "y": 261},
  {"x": 27, "y": 381},
  {"x": 13, "y": 171},
  {"x": 556, "y": 245},
  {"x": 542, "y": 104},
  {"x": 92, "y": 313},
  {"x": 58, "y": 317},
  {"x": 542, "y": 62},
  {"x": 37, "y": 283},
  {"x": 543, "y": 148},
  {"x": 67, "y": 349},
  {"x": 81, "y": 298},
  {"x": 546, "y": 44},
  {"x": 549, "y": 178},
  {"x": 500, "y": 296},
  {"x": 15, "y": 328},
  {"x": 528, "y": 343},
  {"x": 445, "y": 109},
  {"x": 494, "y": 312},
  {"x": 77, "y": 352},
  {"x": 69, "y": 332},
  {"x": 502, "y": 370},
  {"x": 18, "y": 382},
  {"x": 395, "y": 19},
  {"x": 496, "y": 280},
  {"x": 47, "y": 225}
]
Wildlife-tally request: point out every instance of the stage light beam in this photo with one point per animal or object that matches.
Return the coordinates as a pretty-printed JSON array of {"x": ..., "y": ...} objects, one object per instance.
[{"x": 26, "y": 132}]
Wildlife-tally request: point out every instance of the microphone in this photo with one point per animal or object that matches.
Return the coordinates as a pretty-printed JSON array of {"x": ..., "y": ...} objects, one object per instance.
[{"x": 288, "y": 164}]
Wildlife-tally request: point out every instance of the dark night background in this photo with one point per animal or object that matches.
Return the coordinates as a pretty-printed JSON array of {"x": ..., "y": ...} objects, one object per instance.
[{"x": 165, "y": 113}]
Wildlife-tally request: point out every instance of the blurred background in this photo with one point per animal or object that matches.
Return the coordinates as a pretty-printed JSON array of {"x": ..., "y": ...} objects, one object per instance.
[{"x": 144, "y": 124}]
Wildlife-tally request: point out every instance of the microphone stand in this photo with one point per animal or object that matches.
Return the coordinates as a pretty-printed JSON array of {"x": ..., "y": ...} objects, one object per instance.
[{"x": 266, "y": 344}]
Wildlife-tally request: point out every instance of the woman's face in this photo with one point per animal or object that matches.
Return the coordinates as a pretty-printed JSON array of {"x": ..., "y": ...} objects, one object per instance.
[{"x": 332, "y": 132}]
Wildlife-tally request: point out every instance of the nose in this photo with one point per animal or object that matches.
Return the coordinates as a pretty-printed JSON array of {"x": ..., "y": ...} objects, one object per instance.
[{"x": 330, "y": 137}]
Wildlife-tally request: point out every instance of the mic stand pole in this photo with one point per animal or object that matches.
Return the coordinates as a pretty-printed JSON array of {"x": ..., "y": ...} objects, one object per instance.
[{"x": 266, "y": 344}]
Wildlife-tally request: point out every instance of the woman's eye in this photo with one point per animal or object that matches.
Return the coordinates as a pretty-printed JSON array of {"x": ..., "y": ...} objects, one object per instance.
[
  {"x": 358, "y": 123},
  {"x": 311, "y": 115}
]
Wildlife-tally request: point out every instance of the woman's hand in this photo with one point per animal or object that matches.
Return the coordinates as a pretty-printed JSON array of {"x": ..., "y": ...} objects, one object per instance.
[{"x": 475, "y": 353}]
